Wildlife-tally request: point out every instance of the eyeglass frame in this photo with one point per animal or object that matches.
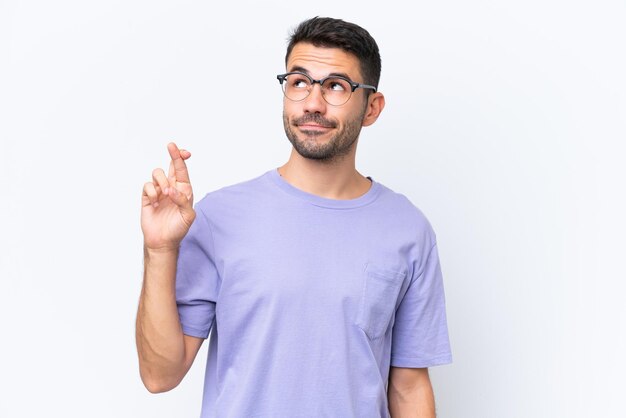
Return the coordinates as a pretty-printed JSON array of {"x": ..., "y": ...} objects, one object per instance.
[{"x": 353, "y": 85}]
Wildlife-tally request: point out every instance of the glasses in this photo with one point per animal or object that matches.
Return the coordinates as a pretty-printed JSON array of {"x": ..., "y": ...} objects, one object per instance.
[{"x": 336, "y": 90}]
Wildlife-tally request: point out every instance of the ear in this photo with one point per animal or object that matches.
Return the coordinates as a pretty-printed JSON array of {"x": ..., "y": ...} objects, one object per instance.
[{"x": 375, "y": 105}]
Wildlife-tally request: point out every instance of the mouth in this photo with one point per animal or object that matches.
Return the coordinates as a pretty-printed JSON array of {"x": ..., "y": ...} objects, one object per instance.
[
  {"x": 313, "y": 124},
  {"x": 313, "y": 127}
]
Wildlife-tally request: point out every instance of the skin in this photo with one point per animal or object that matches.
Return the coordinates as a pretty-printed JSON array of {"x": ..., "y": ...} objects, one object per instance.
[
  {"x": 165, "y": 353},
  {"x": 410, "y": 393},
  {"x": 322, "y": 162},
  {"x": 335, "y": 175}
]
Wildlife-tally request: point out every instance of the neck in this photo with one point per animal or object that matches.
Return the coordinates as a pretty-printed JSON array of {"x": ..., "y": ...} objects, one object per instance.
[{"x": 336, "y": 179}]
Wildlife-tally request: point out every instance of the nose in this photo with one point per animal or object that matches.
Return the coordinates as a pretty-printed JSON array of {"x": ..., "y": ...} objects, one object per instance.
[{"x": 315, "y": 102}]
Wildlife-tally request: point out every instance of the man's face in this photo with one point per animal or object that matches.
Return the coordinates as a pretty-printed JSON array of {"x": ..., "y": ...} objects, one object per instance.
[{"x": 316, "y": 129}]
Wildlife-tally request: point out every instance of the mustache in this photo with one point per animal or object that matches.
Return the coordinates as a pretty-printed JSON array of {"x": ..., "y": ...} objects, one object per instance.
[{"x": 315, "y": 118}]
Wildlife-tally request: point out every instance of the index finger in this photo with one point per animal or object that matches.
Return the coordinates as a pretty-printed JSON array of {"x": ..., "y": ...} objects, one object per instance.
[{"x": 180, "y": 168}]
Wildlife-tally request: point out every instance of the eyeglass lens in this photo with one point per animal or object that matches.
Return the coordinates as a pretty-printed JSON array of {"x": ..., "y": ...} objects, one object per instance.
[{"x": 336, "y": 91}]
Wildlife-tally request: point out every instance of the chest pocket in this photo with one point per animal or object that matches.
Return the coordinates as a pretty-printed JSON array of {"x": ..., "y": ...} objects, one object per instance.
[{"x": 378, "y": 300}]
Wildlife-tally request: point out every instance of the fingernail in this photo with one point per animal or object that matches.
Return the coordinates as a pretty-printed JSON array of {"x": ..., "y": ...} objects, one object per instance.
[
  {"x": 155, "y": 204},
  {"x": 166, "y": 190}
]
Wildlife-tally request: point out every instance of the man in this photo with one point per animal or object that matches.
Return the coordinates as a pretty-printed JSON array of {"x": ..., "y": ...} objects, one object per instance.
[{"x": 321, "y": 288}]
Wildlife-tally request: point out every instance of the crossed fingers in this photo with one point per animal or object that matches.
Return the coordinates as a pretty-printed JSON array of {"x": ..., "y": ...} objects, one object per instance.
[{"x": 161, "y": 185}]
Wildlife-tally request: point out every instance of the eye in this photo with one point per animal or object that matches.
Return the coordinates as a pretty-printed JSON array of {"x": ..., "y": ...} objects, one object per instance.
[
  {"x": 298, "y": 81},
  {"x": 337, "y": 85}
]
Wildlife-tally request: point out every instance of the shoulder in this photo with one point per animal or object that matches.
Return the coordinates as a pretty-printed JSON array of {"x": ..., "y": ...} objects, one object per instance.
[
  {"x": 405, "y": 213},
  {"x": 238, "y": 189},
  {"x": 238, "y": 194}
]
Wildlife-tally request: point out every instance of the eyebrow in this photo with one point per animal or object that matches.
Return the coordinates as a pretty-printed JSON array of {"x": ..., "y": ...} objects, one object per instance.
[{"x": 305, "y": 71}]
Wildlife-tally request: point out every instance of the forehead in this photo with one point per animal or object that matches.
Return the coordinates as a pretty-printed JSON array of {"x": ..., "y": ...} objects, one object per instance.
[{"x": 322, "y": 61}]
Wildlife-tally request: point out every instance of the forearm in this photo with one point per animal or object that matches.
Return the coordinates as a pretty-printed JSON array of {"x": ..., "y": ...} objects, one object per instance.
[
  {"x": 411, "y": 401},
  {"x": 160, "y": 341}
]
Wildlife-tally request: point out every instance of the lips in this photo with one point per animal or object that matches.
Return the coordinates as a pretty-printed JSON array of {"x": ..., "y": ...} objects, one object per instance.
[
  {"x": 314, "y": 122},
  {"x": 313, "y": 126}
]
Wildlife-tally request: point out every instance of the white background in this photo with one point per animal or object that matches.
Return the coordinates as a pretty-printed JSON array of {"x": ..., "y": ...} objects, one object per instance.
[{"x": 505, "y": 123}]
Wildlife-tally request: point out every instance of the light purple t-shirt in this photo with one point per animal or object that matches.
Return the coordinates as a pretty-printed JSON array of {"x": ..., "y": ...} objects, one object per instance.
[{"x": 309, "y": 300}]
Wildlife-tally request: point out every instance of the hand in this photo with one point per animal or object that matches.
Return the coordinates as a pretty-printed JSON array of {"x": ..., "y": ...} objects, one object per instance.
[{"x": 167, "y": 204}]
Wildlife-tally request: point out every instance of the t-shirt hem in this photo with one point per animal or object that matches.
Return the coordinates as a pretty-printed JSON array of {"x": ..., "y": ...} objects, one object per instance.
[
  {"x": 195, "y": 332},
  {"x": 420, "y": 363}
]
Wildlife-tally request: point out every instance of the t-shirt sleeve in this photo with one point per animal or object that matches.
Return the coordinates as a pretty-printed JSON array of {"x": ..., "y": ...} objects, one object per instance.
[
  {"x": 420, "y": 331},
  {"x": 197, "y": 279}
]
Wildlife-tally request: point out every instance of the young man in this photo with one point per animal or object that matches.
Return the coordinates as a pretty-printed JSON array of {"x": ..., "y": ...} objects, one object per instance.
[{"x": 321, "y": 288}]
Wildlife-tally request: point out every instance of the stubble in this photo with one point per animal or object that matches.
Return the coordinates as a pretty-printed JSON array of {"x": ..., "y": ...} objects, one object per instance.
[{"x": 308, "y": 143}]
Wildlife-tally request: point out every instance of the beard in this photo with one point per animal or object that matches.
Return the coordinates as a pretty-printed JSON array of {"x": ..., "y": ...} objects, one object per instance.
[{"x": 308, "y": 146}]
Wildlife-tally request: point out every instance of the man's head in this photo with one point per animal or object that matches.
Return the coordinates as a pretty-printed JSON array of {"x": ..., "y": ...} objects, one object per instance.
[
  {"x": 335, "y": 33},
  {"x": 316, "y": 125}
]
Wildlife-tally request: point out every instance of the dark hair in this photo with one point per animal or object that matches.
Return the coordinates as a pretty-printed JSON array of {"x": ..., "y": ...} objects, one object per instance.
[{"x": 336, "y": 33}]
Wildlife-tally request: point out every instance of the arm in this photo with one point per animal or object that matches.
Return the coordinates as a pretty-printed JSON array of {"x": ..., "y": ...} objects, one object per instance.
[
  {"x": 165, "y": 354},
  {"x": 410, "y": 393}
]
